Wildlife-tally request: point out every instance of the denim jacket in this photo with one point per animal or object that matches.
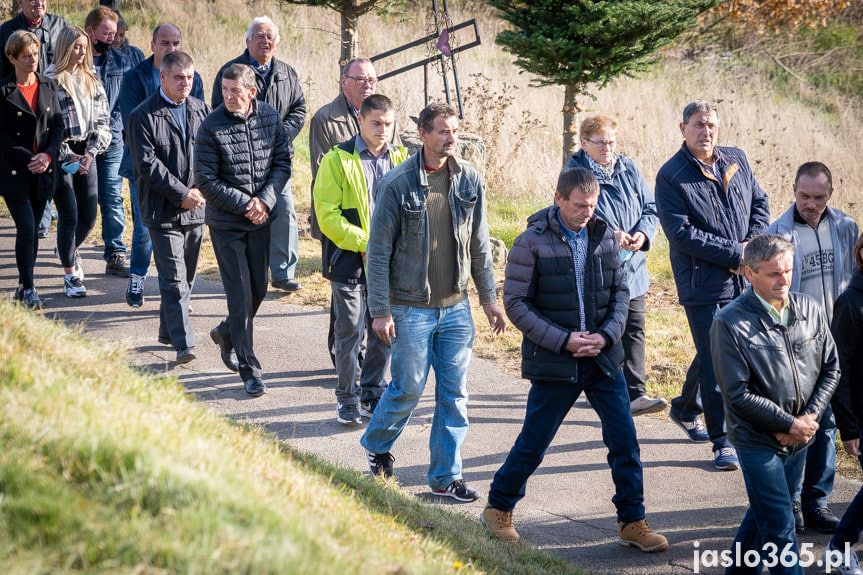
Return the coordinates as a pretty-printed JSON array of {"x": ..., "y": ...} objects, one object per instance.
[
  {"x": 111, "y": 73},
  {"x": 397, "y": 254}
]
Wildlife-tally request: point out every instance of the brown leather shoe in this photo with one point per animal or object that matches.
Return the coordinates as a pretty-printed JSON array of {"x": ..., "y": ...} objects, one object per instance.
[
  {"x": 499, "y": 523},
  {"x": 639, "y": 534}
]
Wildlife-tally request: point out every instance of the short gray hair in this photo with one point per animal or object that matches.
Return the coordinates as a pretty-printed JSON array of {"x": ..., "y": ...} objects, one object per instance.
[
  {"x": 702, "y": 106},
  {"x": 262, "y": 20},
  {"x": 351, "y": 62},
  {"x": 241, "y": 73},
  {"x": 764, "y": 248}
]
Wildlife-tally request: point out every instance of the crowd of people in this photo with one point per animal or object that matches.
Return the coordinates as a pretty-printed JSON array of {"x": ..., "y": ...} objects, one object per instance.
[{"x": 775, "y": 310}]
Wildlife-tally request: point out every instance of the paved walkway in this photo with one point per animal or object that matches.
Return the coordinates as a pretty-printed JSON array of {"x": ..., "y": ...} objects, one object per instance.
[{"x": 568, "y": 509}]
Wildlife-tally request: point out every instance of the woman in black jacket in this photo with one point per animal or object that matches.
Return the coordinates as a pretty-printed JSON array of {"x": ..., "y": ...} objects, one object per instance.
[
  {"x": 847, "y": 404},
  {"x": 31, "y": 131}
]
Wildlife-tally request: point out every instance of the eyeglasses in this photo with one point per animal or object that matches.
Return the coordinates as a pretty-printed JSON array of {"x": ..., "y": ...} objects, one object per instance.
[
  {"x": 603, "y": 144},
  {"x": 363, "y": 81}
]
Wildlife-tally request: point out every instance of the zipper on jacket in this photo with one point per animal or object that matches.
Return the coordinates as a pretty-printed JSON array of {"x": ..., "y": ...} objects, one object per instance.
[{"x": 793, "y": 367}]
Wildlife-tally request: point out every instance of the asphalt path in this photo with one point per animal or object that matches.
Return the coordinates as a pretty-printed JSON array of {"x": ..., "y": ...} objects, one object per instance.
[{"x": 567, "y": 510}]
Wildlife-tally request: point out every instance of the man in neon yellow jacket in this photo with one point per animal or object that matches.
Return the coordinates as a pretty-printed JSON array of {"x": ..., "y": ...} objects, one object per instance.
[{"x": 344, "y": 202}]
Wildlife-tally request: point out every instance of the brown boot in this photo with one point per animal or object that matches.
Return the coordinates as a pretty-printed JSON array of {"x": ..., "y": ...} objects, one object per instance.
[
  {"x": 499, "y": 523},
  {"x": 639, "y": 534}
]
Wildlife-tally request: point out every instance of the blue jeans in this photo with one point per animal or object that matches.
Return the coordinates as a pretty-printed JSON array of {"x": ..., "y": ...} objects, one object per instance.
[
  {"x": 547, "y": 405},
  {"x": 284, "y": 238},
  {"x": 771, "y": 480},
  {"x": 441, "y": 339},
  {"x": 111, "y": 201},
  {"x": 700, "y": 391},
  {"x": 354, "y": 336},
  {"x": 820, "y": 470},
  {"x": 142, "y": 247}
]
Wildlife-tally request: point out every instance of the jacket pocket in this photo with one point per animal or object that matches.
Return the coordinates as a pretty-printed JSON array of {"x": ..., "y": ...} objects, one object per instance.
[{"x": 413, "y": 221}]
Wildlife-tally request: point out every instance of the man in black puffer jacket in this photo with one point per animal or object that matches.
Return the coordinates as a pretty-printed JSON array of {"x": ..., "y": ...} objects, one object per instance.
[
  {"x": 242, "y": 163},
  {"x": 565, "y": 289}
]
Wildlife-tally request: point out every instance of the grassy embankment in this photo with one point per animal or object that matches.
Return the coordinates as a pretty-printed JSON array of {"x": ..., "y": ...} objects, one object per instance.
[{"x": 106, "y": 470}]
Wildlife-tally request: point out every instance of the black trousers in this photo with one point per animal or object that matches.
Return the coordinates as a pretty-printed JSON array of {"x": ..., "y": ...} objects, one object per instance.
[
  {"x": 77, "y": 202},
  {"x": 633, "y": 349},
  {"x": 244, "y": 264},
  {"x": 26, "y": 215},
  {"x": 175, "y": 252}
]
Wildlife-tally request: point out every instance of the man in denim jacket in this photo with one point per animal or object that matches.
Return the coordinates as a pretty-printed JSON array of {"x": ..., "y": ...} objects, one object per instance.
[{"x": 428, "y": 235}]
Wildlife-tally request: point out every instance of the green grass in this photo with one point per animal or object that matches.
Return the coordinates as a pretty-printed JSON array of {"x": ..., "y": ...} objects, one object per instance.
[
  {"x": 107, "y": 470},
  {"x": 507, "y": 216}
]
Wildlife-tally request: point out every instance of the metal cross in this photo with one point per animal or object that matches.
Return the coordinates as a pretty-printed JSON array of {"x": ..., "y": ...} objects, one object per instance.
[{"x": 442, "y": 37}]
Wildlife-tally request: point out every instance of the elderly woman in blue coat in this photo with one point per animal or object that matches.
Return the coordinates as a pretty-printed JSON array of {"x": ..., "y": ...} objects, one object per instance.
[
  {"x": 31, "y": 131},
  {"x": 626, "y": 204}
]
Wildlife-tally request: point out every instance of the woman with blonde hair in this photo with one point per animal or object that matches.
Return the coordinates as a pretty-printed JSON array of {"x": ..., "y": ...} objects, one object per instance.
[
  {"x": 31, "y": 131},
  {"x": 87, "y": 133}
]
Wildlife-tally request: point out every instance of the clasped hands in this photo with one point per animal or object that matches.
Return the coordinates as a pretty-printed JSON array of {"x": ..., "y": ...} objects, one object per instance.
[
  {"x": 256, "y": 211},
  {"x": 585, "y": 344},
  {"x": 802, "y": 429}
]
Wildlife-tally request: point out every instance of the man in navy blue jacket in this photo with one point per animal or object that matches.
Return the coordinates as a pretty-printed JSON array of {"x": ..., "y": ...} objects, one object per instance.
[{"x": 709, "y": 206}]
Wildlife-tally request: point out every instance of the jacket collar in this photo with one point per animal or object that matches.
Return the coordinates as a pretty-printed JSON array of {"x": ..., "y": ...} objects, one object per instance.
[{"x": 754, "y": 305}]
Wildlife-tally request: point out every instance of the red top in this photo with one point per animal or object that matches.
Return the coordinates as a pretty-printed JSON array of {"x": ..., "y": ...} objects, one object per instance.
[{"x": 31, "y": 93}]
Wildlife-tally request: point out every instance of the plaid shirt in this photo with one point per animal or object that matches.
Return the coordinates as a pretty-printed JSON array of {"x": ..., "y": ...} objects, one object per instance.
[{"x": 97, "y": 134}]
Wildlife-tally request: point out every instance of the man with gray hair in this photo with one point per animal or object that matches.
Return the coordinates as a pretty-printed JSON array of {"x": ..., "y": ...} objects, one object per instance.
[
  {"x": 709, "y": 205},
  {"x": 242, "y": 163},
  {"x": 337, "y": 122},
  {"x": 777, "y": 367},
  {"x": 277, "y": 85}
]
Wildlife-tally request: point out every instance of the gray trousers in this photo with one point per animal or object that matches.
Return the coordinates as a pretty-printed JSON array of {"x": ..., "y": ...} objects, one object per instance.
[
  {"x": 284, "y": 238},
  {"x": 353, "y": 324},
  {"x": 243, "y": 257},
  {"x": 176, "y": 252}
]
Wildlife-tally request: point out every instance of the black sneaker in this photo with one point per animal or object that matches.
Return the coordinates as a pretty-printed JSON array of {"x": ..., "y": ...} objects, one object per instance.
[
  {"x": 135, "y": 290},
  {"x": 821, "y": 520},
  {"x": 458, "y": 490},
  {"x": 381, "y": 463},
  {"x": 799, "y": 523},
  {"x": 348, "y": 414},
  {"x": 19, "y": 295},
  {"x": 116, "y": 266},
  {"x": 367, "y": 408},
  {"x": 32, "y": 299}
]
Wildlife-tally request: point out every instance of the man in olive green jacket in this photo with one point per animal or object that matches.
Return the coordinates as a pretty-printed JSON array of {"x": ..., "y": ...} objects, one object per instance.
[
  {"x": 336, "y": 122},
  {"x": 344, "y": 201}
]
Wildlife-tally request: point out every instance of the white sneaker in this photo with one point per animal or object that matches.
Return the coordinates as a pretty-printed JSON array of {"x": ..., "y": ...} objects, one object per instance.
[
  {"x": 644, "y": 404},
  {"x": 838, "y": 561},
  {"x": 79, "y": 269},
  {"x": 73, "y": 287}
]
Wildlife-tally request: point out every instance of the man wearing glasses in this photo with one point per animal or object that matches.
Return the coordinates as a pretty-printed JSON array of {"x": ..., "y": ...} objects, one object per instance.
[
  {"x": 279, "y": 87},
  {"x": 34, "y": 18},
  {"x": 336, "y": 122}
]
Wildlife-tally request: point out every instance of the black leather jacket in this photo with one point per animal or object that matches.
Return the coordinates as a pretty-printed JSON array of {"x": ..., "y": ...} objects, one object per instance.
[{"x": 769, "y": 373}]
